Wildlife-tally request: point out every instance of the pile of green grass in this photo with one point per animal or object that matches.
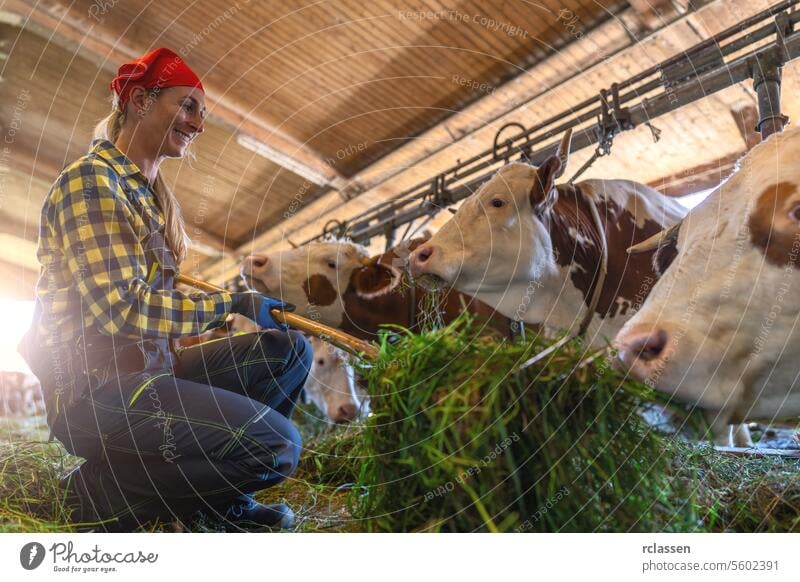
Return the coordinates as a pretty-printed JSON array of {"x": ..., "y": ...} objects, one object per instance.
[
  {"x": 329, "y": 466},
  {"x": 463, "y": 440},
  {"x": 30, "y": 467}
]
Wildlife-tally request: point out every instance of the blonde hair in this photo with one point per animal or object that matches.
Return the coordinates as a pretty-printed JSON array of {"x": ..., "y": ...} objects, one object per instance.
[{"x": 175, "y": 232}]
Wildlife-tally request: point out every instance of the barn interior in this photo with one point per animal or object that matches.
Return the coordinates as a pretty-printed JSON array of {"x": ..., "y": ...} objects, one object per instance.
[{"x": 321, "y": 112}]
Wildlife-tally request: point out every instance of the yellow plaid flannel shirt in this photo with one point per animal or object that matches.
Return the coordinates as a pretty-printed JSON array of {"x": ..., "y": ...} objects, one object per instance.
[{"x": 95, "y": 270}]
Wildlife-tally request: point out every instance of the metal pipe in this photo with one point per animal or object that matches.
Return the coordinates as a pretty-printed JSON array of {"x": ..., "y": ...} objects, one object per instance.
[
  {"x": 767, "y": 85},
  {"x": 679, "y": 96},
  {"x": 705, "y": 56}
]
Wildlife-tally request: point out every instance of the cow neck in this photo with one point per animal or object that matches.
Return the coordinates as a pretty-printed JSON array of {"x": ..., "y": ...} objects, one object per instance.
[
  {"x": 576, "y": 211},
  {"x": 583, "y": 213}
]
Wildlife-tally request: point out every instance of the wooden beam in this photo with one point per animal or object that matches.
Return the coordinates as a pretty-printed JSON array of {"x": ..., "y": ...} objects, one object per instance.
[
  {"x": 514, "y": 95},
  {"x": 709, "y": 175},
  {"x": 698, "y": 178},
  {"x": 653, "y": 13},
  {"x": 71, "y": 28}
]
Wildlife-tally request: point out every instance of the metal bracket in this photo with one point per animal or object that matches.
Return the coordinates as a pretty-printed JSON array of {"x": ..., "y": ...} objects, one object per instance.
[
  {"x": 440, "y": 196},
  {"x": 607, "y": 127},
  {"x": 339, "y": 229},
  {"x": 509, "y": 143},
  {"x": 389, "y": 234},
  {"x": 621, "y": 114}
]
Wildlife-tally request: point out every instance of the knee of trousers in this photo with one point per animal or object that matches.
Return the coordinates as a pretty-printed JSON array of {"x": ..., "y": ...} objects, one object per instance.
[
  {"x": 292, "y": 347},
  {"x": 279, "y": 445}
]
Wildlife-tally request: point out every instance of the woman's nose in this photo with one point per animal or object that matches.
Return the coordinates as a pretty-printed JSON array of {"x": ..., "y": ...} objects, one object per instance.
[{"x": 197, "y": 124}]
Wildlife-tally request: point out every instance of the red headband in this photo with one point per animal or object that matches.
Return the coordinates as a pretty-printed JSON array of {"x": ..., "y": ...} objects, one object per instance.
[{"x": 156, "y": 70}]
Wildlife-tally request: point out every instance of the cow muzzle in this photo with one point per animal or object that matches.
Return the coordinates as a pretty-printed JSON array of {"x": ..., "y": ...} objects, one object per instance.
[
  {"x": 421, "y": 266},
  {"x": 254, "y": 264},
  {"x": 253, "y": 270},
  {"x": 344, "y": 413},
  {"x": 643, "y": 351},
  {"x": 420, "y": 259}
]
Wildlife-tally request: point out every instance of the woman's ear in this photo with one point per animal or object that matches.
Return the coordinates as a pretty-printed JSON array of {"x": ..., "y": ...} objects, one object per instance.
[{"x": 140, "y": 101}]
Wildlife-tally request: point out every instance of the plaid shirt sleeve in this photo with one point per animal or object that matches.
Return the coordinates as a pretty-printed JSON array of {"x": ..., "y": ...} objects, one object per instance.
[{"x": 99, "y": 239}]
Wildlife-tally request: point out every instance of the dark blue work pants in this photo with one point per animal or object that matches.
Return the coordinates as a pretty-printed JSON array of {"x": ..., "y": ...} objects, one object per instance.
[{"x": 165, "y": 443}]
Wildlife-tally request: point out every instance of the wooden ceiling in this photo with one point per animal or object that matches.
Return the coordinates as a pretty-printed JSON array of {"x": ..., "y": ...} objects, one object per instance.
[
  {"x": 347, "y": 81},
  {"x": 698, "y": 144},
  {"x": 372, "y": 96},
  {"x": 351, "y": 79}
]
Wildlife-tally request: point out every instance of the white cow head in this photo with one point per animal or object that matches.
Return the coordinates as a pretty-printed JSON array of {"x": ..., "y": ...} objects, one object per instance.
[
  {"x": 331, "y": 384},
  {"x": 497, "y": 246},
  {"x": 720, "y": 328}
]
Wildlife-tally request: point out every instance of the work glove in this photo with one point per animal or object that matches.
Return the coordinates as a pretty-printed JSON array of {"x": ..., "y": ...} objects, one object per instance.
[{"x": 256, "y": 307}]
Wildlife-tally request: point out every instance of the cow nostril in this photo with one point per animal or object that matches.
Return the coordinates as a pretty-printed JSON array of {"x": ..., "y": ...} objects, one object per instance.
[
  {"x": 651, "y": 346},
  {"x": 346, "y": 413},
  {"x": 424, "y": 254},
  {"x": 257, "y": 261}
]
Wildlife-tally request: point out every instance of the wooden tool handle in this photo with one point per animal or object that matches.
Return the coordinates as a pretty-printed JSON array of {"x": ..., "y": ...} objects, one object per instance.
[{"x": 347, "y": 342}]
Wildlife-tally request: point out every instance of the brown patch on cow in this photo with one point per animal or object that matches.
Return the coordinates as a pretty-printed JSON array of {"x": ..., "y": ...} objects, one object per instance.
[
  {"x": 629, "y": 277},
  {"x": 773, "y": 228},
  {"x": 372, "y": 279},
  {"x": 363, "y": 317},
  {"x": 319, "y": 290}
]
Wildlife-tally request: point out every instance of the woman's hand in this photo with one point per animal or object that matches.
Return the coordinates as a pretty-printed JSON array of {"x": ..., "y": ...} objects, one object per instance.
[{"x": 256, "y": 307}]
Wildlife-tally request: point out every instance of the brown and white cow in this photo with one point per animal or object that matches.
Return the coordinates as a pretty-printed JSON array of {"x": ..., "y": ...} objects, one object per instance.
[
  {"x": 331, "y": 384},
  {"x": 338, "y": 284},
  {"x": 721, "y": 328},
  {"x": 532, "y": 249}
]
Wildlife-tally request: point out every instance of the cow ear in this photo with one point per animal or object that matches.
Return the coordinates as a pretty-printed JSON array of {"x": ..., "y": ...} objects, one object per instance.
[
  {"x": 375, "y": 279},
  {"x": 543, "y": 192}
]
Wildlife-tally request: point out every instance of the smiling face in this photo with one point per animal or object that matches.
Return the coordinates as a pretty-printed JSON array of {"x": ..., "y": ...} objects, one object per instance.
[{"x": 168, "y": 119}]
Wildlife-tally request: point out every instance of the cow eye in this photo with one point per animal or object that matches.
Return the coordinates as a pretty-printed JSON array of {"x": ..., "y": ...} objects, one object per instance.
[
  {"x": 794, "y": 213},
  {"x": 320, "y": 362},
  {"x": 498, "y": 202},
  {"x": 332, "y": 264}
]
